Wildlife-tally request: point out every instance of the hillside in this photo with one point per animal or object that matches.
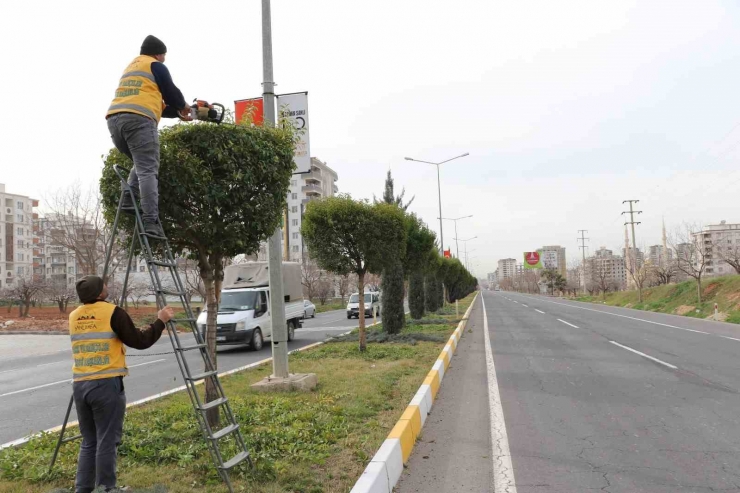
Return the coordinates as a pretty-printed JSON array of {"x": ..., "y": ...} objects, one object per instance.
[{"x": 680, "y": 299}]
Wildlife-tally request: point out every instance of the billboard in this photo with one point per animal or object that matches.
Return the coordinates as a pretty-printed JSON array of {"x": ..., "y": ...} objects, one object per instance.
[
  {"x": 293, "y": 108},
  {"x": 253, "y": 108},
  {"x": 447, "y": 254},
  {"x": 549, "y": 259},
  {"x": 532, "y": 260}
]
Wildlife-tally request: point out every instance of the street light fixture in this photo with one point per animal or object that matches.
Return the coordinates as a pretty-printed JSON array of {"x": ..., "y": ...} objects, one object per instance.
[
  {"x": 465, "y": 241},
  {"x": 456, "y": 219},
  {"x": 439, "y": 193}
]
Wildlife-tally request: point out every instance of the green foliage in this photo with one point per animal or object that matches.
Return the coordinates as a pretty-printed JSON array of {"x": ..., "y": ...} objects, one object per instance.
[
  {"x": 420, "y": 245},
  {"x": 432, "y": 293},
  {"x": 392, "y": 288},
  {"x": 222, "y": 188},
  {"x": 456, "y": 278},
  {"x": 416, "y": 295},
  {"x": 349, "y": 236},
  {"x": 390, "y": 198}
]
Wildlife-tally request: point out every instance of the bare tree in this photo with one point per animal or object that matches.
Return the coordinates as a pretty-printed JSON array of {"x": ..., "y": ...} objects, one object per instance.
[
  {"x": 344, "y": 285},
  {"x": 61, "y": 293},
  {"x": 665, "y": 272},
  {"x": 24, "y": 291},
  {"x": 311, "y": 276},
  {"x": 75, "y": 221},
  {"x": 193, "y": 282},
  {"x": 138, "y": 291},
  {"x": 693, "y": 253},
  {"x": 372, "y": 282},
  {"x": 323, "y": 289},
  {"x": 638, "y": 273}
]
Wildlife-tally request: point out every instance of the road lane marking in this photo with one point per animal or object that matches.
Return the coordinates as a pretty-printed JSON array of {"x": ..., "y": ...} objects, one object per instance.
[
  {"x": 148, "y": 363},
  {"x": 568, "y": 323},
  {"x": 539, "y": 311},
  {"x": 631, "y": 318},
  {"x": 525, "y": 306},
  {"x": 503, "y": 470},
  {"x": 728, "y": 337},
  {"x": 53, "y": 363},
  {"x": 515, "y": 301},
  {"x": 645, "y": 355},
  {"x": 35, "y": 388}
]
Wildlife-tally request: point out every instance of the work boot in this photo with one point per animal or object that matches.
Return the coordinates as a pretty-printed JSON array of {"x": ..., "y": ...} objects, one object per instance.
[
  {"x": 154, "y": 230},
  {"x": 128, "y": 205}
]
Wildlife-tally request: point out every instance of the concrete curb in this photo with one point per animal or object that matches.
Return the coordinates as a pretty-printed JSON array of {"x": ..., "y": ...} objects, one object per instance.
[{"x": 386, "y": 467}]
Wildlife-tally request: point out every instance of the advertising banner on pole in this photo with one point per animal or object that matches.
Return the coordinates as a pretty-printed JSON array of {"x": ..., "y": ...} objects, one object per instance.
[
  {"x": 252, "y": 108},
  {"x": 532, "y": 260},
  {"x": 549, "y": 259},
  {"x": 294, "y": 108},
  {"x": 447, "y": 254}
]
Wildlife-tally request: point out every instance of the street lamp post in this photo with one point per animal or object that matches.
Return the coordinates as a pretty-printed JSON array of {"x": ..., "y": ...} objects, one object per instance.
[
  {"x": 465, "y": 242},
  {"x": 439, "y": 194},
  {"x": 456, "y": 219}
]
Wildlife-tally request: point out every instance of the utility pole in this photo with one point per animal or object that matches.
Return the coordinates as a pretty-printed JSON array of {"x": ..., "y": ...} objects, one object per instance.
[
  {"x": 583, "y": 247},
  {"x": 274, "y": 256},
  {"x": 632, "y": 213}
]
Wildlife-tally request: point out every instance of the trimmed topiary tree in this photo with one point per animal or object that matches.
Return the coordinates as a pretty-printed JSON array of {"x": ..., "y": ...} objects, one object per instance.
[{"x": 416, "y": 295}]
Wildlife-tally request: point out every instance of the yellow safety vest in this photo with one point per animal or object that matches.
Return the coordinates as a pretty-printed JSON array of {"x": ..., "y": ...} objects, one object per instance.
[
  {"x": 96, "y": 349},
  {"x": 138, "y": 91}
]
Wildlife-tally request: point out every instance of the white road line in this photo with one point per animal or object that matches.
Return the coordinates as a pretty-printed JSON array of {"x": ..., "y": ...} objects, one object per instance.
[
  {"x": 539, "y": 311},
  {"x": 525, "y": 306},
  {"x": 625, "y": 316},
  {"x": 568, "y": 323},
  {"x": 35, "y": 388},
  {"x": 10, "y": 371},
  {"x": 53, "y": 363},
  {"x": 515, "y": 301},
  {"x": 724, "y": 337},
  {"x": 503, "y": 470},
  {"x": 147, "y": 363},
  {"x": 645, "y": 355}
]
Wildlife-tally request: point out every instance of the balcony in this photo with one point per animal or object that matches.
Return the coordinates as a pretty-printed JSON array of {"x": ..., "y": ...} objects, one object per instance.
[
  {"x": 314, "y": 174},
  {"x": 312, "y": 188},
  {"x": 310, "y": 199}
]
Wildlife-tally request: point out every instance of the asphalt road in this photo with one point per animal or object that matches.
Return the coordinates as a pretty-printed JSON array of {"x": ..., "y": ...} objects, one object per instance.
[
  {"x": 618, "y": 400},
  {"x": 35, "y": 372}
]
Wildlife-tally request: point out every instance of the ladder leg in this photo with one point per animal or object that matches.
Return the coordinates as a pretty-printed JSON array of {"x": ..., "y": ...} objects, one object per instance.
[{"x": 61, "y": 433}]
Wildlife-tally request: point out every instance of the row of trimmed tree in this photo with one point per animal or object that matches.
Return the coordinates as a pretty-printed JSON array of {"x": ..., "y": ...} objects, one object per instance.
[{"x": 346, "y": 236}]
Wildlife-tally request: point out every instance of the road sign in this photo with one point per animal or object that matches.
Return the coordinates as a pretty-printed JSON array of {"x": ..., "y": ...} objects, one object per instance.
[{"x": 532, "y": 260}]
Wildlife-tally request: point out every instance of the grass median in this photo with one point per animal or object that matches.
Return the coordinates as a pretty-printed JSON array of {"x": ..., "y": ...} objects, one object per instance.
[{"x": 301, "y": 442}]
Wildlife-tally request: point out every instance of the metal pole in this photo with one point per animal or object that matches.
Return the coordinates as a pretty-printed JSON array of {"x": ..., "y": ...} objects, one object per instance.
[
  {"x": 439, "y": 194},
  {"x": 275, "y": 266},
  {"x": 457, "y": 245}
]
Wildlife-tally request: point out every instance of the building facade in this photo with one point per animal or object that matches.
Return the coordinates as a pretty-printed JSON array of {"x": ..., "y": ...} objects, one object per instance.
[
  {"x": 718, "y": 242},
  {"x": 506, "y": 268},
  {"x": 16, "y": 237},
  {"x": 605, "y": 263}
]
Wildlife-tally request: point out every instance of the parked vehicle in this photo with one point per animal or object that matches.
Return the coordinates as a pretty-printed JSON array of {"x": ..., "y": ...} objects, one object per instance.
[
  {"x": 244, "y": 316},
  {"x": 372, "y": 305},
  {"x": 309, "y": 309}
]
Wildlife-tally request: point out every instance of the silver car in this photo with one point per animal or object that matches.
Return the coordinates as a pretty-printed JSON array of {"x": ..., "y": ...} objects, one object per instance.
[{"x": 309, "y": 309}]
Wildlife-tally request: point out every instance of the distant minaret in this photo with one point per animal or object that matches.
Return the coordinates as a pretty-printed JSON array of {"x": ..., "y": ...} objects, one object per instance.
[
  {"x": 664, "y": 253},
  {"x": 626, "y": 243}
]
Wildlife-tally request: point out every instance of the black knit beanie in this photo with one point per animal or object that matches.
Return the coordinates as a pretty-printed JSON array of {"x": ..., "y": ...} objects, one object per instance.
[
  {"x": 89, "y": 288},
  {"x": 153, "y": 46}
]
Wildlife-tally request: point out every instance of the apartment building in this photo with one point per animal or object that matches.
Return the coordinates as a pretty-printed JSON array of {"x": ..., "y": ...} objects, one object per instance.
[
  {"x": 16, "y": 236},
  {"x": 52, "y": 261},
  {"x": 605, "y": 262},
  {"x": 506, "y": 268},
  {"x": 555, "y": 254},
  {"x": 659, "y": 255},
  {"x": 718, "y": 242}
]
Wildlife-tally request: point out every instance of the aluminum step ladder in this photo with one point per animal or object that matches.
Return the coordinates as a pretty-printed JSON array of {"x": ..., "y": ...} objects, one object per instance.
[{"x": 168, "y": 262}]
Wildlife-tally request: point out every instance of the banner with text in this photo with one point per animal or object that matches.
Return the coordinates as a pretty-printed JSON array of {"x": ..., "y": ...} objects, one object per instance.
[
  {"x": 294, "y": 109},
  {"x": 532, "y": 260}
]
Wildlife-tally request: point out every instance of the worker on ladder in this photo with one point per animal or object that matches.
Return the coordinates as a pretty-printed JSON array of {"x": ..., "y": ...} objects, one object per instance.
[
  {"x": 99, "y": 331},
  {"x": 145, "y": 94}
]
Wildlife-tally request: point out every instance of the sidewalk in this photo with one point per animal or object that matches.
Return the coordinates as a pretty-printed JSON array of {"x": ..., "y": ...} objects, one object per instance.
[{"x": 453, "y": 453}]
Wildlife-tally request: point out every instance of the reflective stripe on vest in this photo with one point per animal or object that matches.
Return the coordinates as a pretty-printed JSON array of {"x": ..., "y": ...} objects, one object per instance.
[
  {"x": 138, "y": 91},
  {"x": 96, "y": 349}
]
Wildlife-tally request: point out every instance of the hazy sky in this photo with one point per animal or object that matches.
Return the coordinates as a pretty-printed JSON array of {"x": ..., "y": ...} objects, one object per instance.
[{"x": 566, "y": 108}]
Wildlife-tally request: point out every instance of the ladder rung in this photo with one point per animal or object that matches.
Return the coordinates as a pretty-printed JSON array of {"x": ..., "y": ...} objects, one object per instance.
[
  {"x": 237, "y": 459},
  {"x": 213, "y": 403},
  {"x": 178, "y": 320},
  {"x": 162, "y": 264},
  {"x": 170, "y": 293},
  {"x": 224, "y": 431},
  {"x": 156, "y": 237},
  {"x": 189, "y": 348},
  {"x": 201, "y": 376}
]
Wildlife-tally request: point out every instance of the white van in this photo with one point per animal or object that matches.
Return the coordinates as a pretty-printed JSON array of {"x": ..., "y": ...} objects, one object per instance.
[
  {"x": 372, "y": 305},
  {"x": 244, "y": 312}
]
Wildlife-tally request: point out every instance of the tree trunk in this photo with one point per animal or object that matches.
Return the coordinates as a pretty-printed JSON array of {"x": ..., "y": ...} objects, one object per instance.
[
  {"x": 10, "y": 305},
  {"x": 361, "y": 310},
  {"x": 698, "y": 288},
  {"x": 207, "y": 274},
  {"x": 20, "y": 309},
  {"x": 60, "y": 303}
]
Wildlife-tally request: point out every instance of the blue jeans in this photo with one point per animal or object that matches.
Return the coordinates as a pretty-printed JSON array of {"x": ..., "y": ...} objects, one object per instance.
[
  {"x": 136, "y": 136},
  {"x": 100, "y": 405}
]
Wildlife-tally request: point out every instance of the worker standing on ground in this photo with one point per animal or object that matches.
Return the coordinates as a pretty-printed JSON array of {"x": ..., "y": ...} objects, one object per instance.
[
  {"x": 99, "y": 331},
  {"x": 145, "y": 94}
]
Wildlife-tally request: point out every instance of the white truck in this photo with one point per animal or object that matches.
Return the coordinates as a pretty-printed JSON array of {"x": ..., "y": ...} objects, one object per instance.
[{"x": 244, "y": 312}]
